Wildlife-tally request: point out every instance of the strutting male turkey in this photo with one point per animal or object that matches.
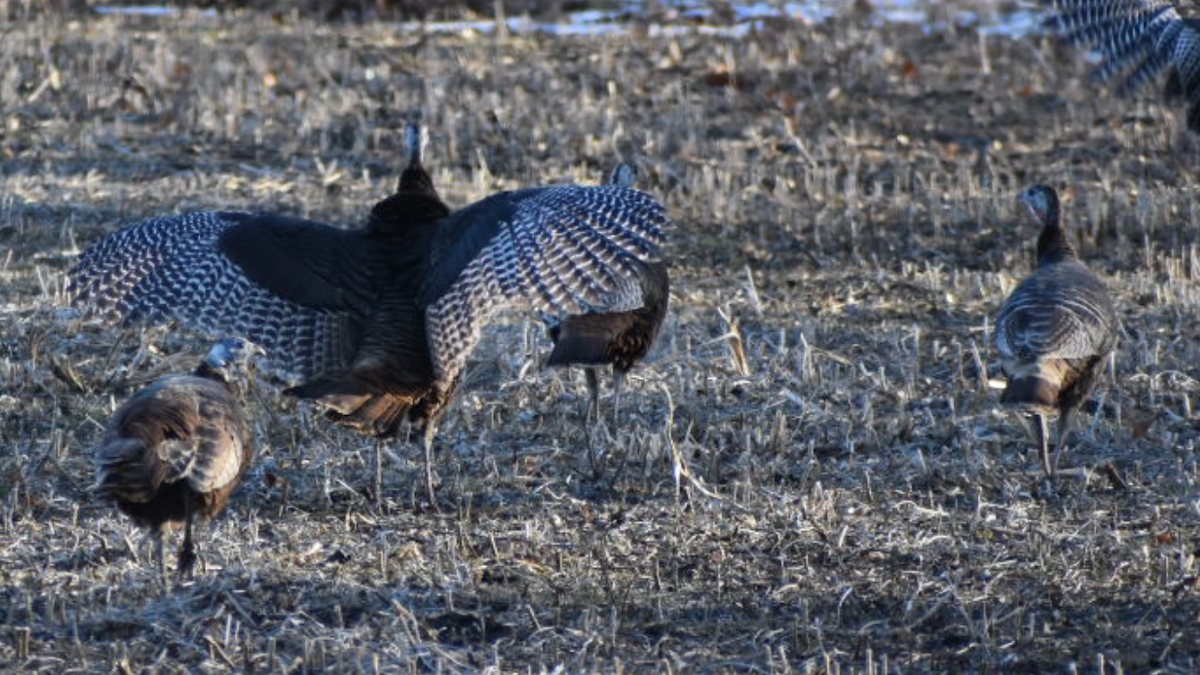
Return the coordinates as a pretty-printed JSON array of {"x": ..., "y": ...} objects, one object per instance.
[{"x": 377, "y": 322}]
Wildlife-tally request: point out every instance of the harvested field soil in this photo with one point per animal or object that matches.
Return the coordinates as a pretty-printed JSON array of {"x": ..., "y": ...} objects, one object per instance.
[{"x": 810, "y": 474}]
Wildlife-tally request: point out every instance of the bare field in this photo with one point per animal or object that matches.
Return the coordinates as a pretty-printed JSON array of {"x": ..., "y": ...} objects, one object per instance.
[{"x": 810, "y": 475}]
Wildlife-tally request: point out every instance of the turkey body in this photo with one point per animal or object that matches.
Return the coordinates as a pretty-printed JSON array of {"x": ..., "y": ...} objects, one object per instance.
[
  {"x": 377, "y": 322},
  {"x": 1137, "y": 41},
  {"x": 1055, "y": 331},
  {"x": 173, "y": 452},
  {"x": 616, "y": 338},
  {"x": 621, "y": 334}
]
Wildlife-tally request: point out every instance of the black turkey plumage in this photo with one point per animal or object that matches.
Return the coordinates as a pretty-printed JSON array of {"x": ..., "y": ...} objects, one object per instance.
[
  {"x": 1137, "y": 40},
  {"x": 377, "y": 322},
  {"x": 619, "y": 335},
  {"x": 1055, "y": 331},
  {"x": 178, "y": 448}
]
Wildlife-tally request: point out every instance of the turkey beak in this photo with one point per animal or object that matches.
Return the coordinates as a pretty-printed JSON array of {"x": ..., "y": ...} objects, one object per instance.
[
  {"x": 252, "y": 351},
  {"x": 1033, "y": 208}
]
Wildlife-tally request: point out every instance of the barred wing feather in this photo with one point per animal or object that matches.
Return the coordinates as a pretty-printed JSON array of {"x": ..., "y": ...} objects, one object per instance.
[
  {"x": 1137, "y": 39},
  {"x": 564, "y": 250},
  {"x": 175, "y": 268},
  {"x": 1062, "y": 311}
]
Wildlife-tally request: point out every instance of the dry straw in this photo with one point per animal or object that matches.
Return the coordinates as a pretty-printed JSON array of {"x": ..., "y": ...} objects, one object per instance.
[{"x": 811, "y": 474}]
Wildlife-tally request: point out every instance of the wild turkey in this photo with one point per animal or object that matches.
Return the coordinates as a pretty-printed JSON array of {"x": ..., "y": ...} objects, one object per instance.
[
  {"x": 377, "y": 322},
  {"x": 621, "y": 335},
  {"x": 1137, "y": 39},
  {"x": 1055, "y": 331},
  {"x": 178, "y": 448}
]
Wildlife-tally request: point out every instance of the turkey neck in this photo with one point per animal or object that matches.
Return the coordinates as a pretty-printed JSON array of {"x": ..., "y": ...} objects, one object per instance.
[
  {"x": 399, "y": 212},
  {"x": 215, "y": 374},
  {"x": 416, "y": 179},
  {"x": 656, "y": 285},
  {"x": 1053, "y": 244}
]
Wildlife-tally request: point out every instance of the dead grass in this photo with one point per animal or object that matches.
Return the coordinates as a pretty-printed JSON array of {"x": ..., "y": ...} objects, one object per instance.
[{"x": 811, "y": 476}]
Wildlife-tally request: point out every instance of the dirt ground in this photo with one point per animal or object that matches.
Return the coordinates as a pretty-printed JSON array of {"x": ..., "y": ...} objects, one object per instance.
[
  {"x": 810, "y": 473},
  {"x": 337, "y": 10}
]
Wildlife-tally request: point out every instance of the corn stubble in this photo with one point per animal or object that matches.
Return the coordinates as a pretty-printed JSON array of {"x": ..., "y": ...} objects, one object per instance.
[{"x": 812, "y": 473}]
